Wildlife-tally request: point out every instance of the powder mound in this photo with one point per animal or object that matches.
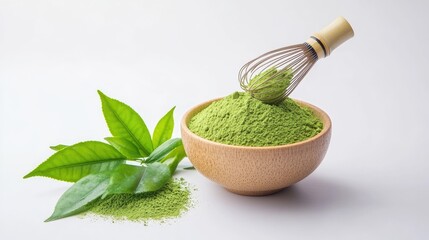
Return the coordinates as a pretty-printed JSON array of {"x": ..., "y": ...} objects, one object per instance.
[
  {"x": 170, "y": 202},
  {"x": 242, "y": 120}
]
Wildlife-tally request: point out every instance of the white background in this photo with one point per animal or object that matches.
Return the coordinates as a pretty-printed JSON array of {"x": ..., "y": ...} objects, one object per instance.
[{"x": 372, "y": 184}]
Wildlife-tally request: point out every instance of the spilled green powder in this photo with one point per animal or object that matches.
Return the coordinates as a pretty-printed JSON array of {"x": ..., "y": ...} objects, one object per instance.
[
  {"x": 242, "y": 120},
  {"x": 169, "y": 202}
]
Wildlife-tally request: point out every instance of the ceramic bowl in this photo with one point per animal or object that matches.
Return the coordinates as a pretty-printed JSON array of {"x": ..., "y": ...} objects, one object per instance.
[{"x": 255, "y": 170}]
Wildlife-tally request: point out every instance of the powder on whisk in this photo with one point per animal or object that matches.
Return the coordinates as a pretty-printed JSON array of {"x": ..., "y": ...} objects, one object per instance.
[
  {"x": 270, "y": 84},
  {"x": 242, "y": 120}
]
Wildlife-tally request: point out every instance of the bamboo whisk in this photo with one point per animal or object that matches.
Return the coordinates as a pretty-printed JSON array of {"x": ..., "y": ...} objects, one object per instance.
[{"x": 260, "y": 77}]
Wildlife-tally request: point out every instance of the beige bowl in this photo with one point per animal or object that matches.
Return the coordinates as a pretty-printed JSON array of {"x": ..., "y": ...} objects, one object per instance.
[{"x": 255, "y": 170}]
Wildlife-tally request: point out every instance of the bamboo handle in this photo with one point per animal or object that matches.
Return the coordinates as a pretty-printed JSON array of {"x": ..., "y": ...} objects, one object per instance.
[{"x": 331, "y": 37}]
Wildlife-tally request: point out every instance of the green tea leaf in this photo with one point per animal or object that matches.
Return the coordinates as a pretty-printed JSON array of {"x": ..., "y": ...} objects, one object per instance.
[
  {"x": 161, "y": 151},
  {"x": 75, "y": 200},
  {"x": 164, "y": 129},
  {"x": 124, "y": 122},
  {"x": 173, "y": 158},
  {"x": 58, "y": 147},
  {"x": 77, "y": 161},
  {"x": 138, "y": 179},
  {"x": 127, "y": 148},
  {"x": 154, "y": 178}
]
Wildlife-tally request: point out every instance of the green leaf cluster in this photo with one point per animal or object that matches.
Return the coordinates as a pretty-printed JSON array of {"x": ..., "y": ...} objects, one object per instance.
[{"x": 132, "y": 161}]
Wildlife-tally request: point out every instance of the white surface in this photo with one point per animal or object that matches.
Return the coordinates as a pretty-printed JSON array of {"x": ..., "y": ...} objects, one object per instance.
[{"x": 373, "y": 183}]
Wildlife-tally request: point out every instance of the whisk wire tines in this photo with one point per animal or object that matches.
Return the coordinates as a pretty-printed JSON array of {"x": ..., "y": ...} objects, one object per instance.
[{"x": 292, "y": 61}]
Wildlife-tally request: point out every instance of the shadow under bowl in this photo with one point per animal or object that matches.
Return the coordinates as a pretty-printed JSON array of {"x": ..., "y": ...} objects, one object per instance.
[{"x": 255, "y": 171}]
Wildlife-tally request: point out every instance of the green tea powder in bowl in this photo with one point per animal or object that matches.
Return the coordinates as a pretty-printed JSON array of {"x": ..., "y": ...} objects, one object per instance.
[{"x": 242, "y": 120}]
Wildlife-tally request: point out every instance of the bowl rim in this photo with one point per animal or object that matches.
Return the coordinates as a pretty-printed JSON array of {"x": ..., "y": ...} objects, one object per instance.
[{"x": 322, "y": 115}]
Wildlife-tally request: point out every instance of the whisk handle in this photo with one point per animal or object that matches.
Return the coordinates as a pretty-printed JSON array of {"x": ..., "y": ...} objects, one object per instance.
[{"x": 330, "y": 37}]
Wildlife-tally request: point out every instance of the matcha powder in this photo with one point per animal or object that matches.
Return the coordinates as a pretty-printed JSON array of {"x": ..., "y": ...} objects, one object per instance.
[
  {"x": 169, "y": 202},
  {"x": 242, "y": 120}
]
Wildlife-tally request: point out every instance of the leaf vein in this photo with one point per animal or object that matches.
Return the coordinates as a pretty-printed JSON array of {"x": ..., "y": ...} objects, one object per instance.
[{"x": 81, "y": 164}]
